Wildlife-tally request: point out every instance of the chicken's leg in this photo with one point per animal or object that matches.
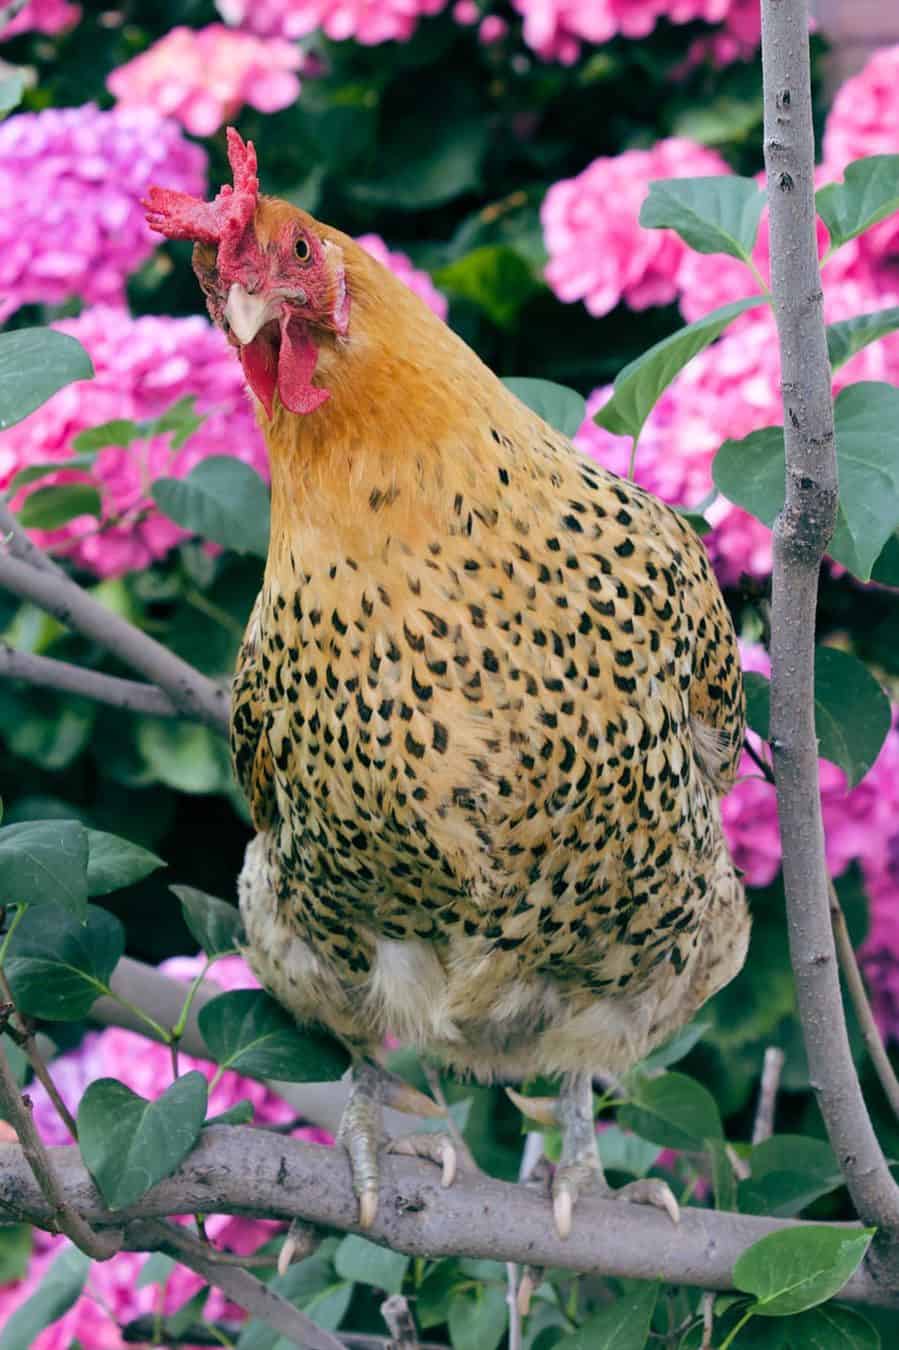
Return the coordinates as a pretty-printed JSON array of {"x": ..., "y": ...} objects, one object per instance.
[
  {"x": 579, "y": 1167},
  {"x": 361, "y": 1133}
]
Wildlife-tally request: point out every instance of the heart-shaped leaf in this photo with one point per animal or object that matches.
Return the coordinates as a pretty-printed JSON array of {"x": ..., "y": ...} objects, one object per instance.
[
  {"x": 799, "y": 1267},
  {"x": 868, "y": 194},
  {"x": 52, "y": 1299},
  {"x": 494, "y": 277},
  {"x": 623, "y": 1325},
  {"x": 638, "y": 387},
  {"x": 718, "y": 214},
  {"x": 750, "y": 473},
  {"x": 849, "y": 336},
  {"x": 57, "y": 966},
  {"x": 363, "y": 1262},
  {"x": 562, "y": 408},
  {"x": 222, "y": 499},
  {"x": 41, "y": 469},
  {"x": 852, "y": 712},
  {"x": 48, "y": 508},
  {"x": 215, "y": 924},
  {"x": 251, "y": 1033},
  {"x": 114, "y": 862},
  {"x": 477, "y": 1317},
  {"x": 45, "y": 862},
  {"x": 120, "y": 431},
  {"x": 672, "y": 1110},
  {"x": 129, "y": 1144},
  {"x": 34, "y": 364}
]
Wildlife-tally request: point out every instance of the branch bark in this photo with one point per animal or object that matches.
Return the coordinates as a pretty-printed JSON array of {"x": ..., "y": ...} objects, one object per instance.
[
  {"x": 801, "y": 535},
  {"x": 239, "y": 1170},
  {"x": 45, "y": 673},
  {"x": 51, "y": 590}
]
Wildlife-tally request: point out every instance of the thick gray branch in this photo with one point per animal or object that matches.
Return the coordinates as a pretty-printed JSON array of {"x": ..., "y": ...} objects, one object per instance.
[
  {"x": 258, "y": 1173},
  {"x": 801, "y": 535},
  {"x": 45, "y": 673},
  {"x": 49, "y": 588}
]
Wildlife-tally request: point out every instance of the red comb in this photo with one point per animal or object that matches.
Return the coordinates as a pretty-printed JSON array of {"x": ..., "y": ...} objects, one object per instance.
[{"x": 222, "y": 221}]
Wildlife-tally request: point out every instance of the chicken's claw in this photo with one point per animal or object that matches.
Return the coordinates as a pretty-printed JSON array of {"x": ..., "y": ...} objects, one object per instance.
[
  {"x": 438, "y": 1148},
  {"x": 650, "y": 1191}
]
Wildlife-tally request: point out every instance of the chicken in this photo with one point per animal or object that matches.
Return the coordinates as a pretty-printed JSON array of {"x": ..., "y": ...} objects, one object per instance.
[{"x": 486, "y": 704}]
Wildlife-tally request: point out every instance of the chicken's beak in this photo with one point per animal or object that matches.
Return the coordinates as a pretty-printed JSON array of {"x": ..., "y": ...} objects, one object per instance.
[{"x": 246, "y": 313}]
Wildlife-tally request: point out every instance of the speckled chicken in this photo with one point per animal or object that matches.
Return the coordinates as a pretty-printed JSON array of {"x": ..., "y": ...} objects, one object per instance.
[{"x": 487, "y": 701}]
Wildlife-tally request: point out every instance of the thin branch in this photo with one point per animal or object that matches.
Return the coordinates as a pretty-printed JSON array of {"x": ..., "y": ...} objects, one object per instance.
[
  {"x": 62, "y": 1216},
  {"x": 772, "y": 1068},
  {"x": 707, "y": 1304},
  {"x": 197, "y": 696},
  {"x": 26, "y": 1038},
  {"x": 45, "y": 673},
  {"x": 801, "y": 535},
  {"x": 395, "y": 1311},
  {"x": 18, "y": 545},
  {"x": 755, "y": 756},
  {"x": 859, "y": 996},
  {"x": 239, "y": 1286},
  {"x": 238, "y": 1170},
  {"x": 142, "y": 1329}
]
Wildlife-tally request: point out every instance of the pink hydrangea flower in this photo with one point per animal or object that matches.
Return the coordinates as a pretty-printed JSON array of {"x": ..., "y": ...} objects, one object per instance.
[
  {"x": 402, "y": 266},
  {"x": 864, "y": 117},
  {"x": 142, "y": 367},
  {"x": 555, "y": 29},
  {"x": 203, "y": 77},
  {"x": 71, "y": 182},
  {"x": 737, "y": 39},
  {"x": 598, "y": 251},
  {"x": 366, "y": 21},
  {"x": 42, "y": 16}
]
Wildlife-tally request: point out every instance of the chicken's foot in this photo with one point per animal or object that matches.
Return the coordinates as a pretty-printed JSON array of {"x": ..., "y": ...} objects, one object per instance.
[
  {"x": 361, "y": 1133},
  {"x": 579, "y": 1169}
]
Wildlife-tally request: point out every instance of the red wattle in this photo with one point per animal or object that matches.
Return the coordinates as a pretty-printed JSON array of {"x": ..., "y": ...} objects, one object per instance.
[
  {"x": 259, "y": 366},
  {"x": 296, "y": 366}
]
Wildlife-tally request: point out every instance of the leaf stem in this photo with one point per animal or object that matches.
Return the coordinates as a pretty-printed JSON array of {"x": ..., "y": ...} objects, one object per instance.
[
  {"x": 161, "y": 1032},
  {"x": 729, "y": 1340},
  {"x": 4, "y": 948}
]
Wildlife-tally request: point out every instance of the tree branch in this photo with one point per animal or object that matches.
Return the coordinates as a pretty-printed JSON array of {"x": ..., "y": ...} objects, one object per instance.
[
  {"x": 45, "y": 673},
  {"x": 239, "y": 1170},
  {"x": 49, "y": 588},
  {"x": 801, "y": 535}
]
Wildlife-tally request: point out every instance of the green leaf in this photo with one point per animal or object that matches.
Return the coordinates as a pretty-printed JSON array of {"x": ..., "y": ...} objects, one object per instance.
[
  {"x": 494, "y": 277},
  {"x": 623, "y": 1152},
  {"x": 799, "y": 1267},
  {"x": 15, "y": 1252},
  {"x": 181, "y": 420},
  {"x": 129, "y": 1144},
  {"x": 363, "y": 1262},
  {"x": 868, "y": 194},
  {"x": 45, "y": 862},
  {"x": 120, "y": 431},
  {"x": 34, "y": 364},
  {"x": 849, "y": 336},
  {"x": 12, "y": 87},
  {"x": 852, "y": 712},
  {"x": 58, "y": 967},
  {"x": 57, "y": 1291},
  {"x": 477, "y": 1317},
  {"x": 155, "y": 1270},
  {"x": 48, "y": 508},
  {"x": 114, "y": 862},
  {"x": 425, "y": 163},
  {"x": 832, "y": 1328},
  {"x": 215, "y": 924},
  {"x": 222, "y": 499},
  {"x": 186, "y": 757},
  {"x": 750, "y": 473},
  {"x": 249, "y": 1032},
  {"x": 623, "y": 1325},
  {"x": 188, "y": 1316},
  {"x": 673, "y": 1111},
  {"x": 564, "y": 409},
  {"x": 676, "y": 1048},
  {"x": 886, "y": 569},
  {"x": 241, "y": 1113},
  {"x": 638, "y": 387},
  {"x": 36, "y": 471},
  {"x": 712, "y": 215}
]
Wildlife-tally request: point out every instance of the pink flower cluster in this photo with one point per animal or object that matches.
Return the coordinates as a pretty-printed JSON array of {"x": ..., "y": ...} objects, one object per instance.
[
  {"x": 71, "y": 182},
  {"x": 203, "y": 77},
  {"x": 366, "y": 21},
  {"x": 860, "y": 825},
  {"x": 42, "y": 16},
  {"x": 142, "y": 367},
  {"x": 556, "y": 29},
  {"x": 111, "y": 1298},
  {"x": 401, "y": 266},
  {"x": 597, "y": 250}
]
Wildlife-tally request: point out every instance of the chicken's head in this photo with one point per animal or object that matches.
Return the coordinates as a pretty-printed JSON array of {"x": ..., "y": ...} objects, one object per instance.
[{"x": 272, "y": 282}]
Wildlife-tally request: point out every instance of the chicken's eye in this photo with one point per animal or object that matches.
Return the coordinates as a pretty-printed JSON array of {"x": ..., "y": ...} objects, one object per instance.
[{"x": 302, "y": 249}]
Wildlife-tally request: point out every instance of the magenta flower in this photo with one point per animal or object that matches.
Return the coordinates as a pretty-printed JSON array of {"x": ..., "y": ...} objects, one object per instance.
[
  {"x": 402, "y": 266},
  {"x": 598, "y": 251},
  {"x": 71, "y": 182},
  {"x": 203, "y": 77},
  {"x": 42, "y": 16},
  {"x": 142, "y": 367},
  {"x": 366, "y": 21}
]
